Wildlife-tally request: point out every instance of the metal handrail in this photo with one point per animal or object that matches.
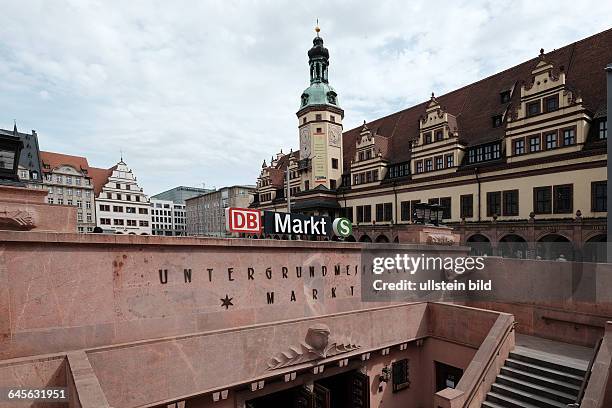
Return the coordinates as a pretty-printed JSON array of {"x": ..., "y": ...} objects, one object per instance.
[{"x": 587, "y": 376}]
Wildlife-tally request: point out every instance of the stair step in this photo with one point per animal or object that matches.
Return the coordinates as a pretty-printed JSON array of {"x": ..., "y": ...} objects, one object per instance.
[
  {"x": 544, "y": 371},
  {"x": 565, "y": 387},
  {"x": 526, "y": 396},
  {"x": 540, "y": 360},
  {"x": 491, "y": 404},
  {"x": 505, "y": 401},
  {"x": 535, "y": 389}
]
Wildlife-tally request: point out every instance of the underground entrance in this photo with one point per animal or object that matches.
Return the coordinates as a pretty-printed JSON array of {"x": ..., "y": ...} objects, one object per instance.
[{"x": 350, "y": 389}]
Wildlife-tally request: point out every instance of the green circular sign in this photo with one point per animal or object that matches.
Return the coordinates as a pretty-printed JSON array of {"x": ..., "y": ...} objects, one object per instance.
[{"x": 343, "y": 227}]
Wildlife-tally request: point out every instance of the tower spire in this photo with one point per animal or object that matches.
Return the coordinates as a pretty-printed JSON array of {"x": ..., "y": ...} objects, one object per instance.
[{"x": 317, "y": 29}]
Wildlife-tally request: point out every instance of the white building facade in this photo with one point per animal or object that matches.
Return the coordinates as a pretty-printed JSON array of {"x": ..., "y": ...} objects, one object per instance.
[
  {"x": 121, "y": 206},
  {"x": 167, "y": 218}
]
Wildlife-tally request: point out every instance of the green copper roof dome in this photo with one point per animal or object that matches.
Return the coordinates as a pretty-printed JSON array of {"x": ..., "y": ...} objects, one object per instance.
[{"x": 319, "y": 92}]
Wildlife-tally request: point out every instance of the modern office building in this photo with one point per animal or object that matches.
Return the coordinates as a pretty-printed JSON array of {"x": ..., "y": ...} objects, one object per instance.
[
  {"x": 206, "y": 213},
  {"x": 68, "y": 181},
  {"x": 517, "y": 159},
  {"x": 167, "y": 217},
  {"x": 121, "y": 205},
  {"x": 181, "y": 193}
]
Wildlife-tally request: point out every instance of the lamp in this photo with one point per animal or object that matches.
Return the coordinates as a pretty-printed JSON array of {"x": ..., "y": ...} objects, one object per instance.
[{"x": 10, "y": 150}]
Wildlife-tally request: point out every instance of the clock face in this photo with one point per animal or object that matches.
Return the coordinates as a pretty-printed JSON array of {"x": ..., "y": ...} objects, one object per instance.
[
  {"x": 335, "y": 134},
  {"x": 305, "y": 142}
]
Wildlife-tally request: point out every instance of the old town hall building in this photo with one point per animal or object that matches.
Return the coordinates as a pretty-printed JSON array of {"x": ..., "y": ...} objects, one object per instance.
[{"x": 517, "y": 160}]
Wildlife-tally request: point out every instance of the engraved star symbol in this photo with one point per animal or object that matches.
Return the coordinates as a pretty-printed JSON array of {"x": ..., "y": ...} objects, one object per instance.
[{"x": 227, "y": 302}]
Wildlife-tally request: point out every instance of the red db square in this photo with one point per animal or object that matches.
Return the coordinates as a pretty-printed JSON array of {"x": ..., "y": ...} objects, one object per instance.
[{"x": 243, "y": 220}]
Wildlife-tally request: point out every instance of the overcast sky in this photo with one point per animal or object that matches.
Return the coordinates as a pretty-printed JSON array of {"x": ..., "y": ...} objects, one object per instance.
[{"x": 201, "y": 92}]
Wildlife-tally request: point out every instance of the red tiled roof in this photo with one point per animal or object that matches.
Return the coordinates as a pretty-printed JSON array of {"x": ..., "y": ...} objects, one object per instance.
[
  {"x": 474, "y": 105},
  {"x": 52, "y": 160},
  {"x": 100, "y": 177}
]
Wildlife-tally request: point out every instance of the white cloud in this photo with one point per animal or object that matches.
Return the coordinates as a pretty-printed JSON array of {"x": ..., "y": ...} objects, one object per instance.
[{"x": 203, "y": 91}]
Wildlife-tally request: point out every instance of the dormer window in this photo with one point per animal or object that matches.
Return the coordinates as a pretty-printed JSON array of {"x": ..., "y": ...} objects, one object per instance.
[
  {"x": 533, "y": 108},
  {"x": 361, "y": 156},
  {"x": 551, "y": 103},
  {"x": 318, "y": 116},
  {"x": 439, "y": 135},
  {"x": 427, "y": 137},
  {"x": 505, "y": 96},
  {"x": 497, "y": 121},
  {"x": 368, "y": 154}
]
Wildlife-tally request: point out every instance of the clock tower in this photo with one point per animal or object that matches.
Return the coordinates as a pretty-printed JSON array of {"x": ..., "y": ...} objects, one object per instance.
[{"x": 320, "y": 124}]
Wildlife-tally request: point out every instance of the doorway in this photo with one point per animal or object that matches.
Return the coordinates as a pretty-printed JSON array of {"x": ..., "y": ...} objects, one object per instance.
[
  {"x": 447, "y": 376},
  {"x": 345, "y": 390}
]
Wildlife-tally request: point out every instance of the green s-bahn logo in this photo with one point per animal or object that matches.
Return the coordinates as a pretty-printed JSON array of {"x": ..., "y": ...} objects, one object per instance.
[{"x": 343, "y": 227}]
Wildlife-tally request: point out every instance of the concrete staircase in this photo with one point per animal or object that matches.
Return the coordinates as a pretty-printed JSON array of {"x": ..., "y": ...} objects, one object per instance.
[{"x": 531, "y": 379}]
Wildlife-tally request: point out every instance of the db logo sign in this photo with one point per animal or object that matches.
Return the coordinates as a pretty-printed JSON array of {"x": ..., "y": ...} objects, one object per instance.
[{"x": 243, "y": 220}]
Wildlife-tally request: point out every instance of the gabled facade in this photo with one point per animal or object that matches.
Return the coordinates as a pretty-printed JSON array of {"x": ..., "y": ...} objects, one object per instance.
[
  {"x": 121, "y": 205},
  {"x": 518, "y": 156}
]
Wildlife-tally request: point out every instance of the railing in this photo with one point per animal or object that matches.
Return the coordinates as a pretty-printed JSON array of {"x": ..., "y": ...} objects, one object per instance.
[
  {"x": 479, "y": 373},
  {"x": 587, "y": 376}
]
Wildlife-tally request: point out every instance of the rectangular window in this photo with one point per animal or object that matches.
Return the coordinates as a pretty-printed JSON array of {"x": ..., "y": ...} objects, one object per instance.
[
  {"x": 487, "y": 152},
  {"x": 419, "y": 167},
  {"x": 388, "y": 212},
  {"x": 332, "y": 184},
  {"x": 332, "y": 118},
  {"x": 496, "y": 151},
  {"x": 471, "y": 156},
  {"x": 318, "y": 116},
  {"x": 542, "y": 200},
  {"x": 493, "y": 203},
  {"x": 117, "y": 221},
  {"x": 361, "y": 156},
  {"x": 467, "y": 206},
  {"x": 445, "y": 202},
  {"x": 603, "y": 129},
  {"x": 505, "y": 96},
  {"x": 130, "y": 210},
  {"x": 439, "y": 162},
  {"x": 355, "y": 179},
  {"x": 368, "y": 176},
  {"x": 599, "y": 196},
  {"x": 450, "y": 161},
  {"x": 348, "y": 213},
  {"x": 60, "y": 201},
  {"x": 364, "y": 213},
  {"x": 479, "y": 154},
  {"x": 379, "y": 212},
  {"x": 497, "y": 121},
  {"x": 433, "y": 201},
  {"x": 412, "y": 204},
  {"x": 118, "y": 186},
  {"x": 362, "y": 178},
  {"x": 50, "y": 200},
  {"x": 88, "y": 205},
  {"x": 117, "y": 208},
  {"x": 405, "y": 210},
  {"x": 144, "y": 223},
  {"x": 334, "y": 163},
  {"x": 533, "y": 108},
  {"x": 428, "y": 165},
  {"x": 551, "y": 140},
  {"x": 400, "y": 374},
  {"x": 104, "y": 207},
  {"x": 131, "y": 223},
  {"x": 552, "y": 103},
  {"x": 79, "y": 204},
  {"x": 534, "y": 144},
  {"x": 511, "y": 203},
  {"x": 439, "y": 135},
  {"x": 569, "y": 137},
  {"x": 374, "y": 175},
  {"x": 563, "y": 199},
  {"x": 105, "y": 221},
  {"x": 519, "y": 147},
  {"x": 427, "y": 137}
]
